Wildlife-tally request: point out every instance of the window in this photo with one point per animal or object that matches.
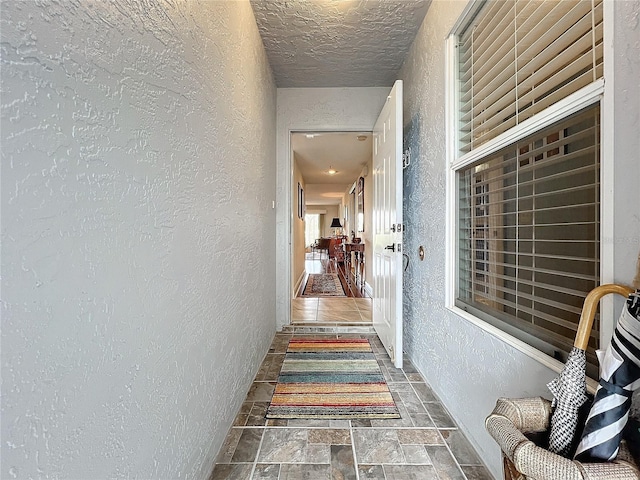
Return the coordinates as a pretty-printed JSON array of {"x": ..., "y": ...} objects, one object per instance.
[
  {"x": 311, "y": 228},
  {"x": 527, "y": 167}
]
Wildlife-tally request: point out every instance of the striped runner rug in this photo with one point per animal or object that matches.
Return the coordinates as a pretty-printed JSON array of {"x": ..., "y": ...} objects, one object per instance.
[{"x": 331, "y": 379}]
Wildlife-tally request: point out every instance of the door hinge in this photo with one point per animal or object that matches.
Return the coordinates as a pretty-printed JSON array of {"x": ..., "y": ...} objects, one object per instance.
[{"x": 406, "y": 158}]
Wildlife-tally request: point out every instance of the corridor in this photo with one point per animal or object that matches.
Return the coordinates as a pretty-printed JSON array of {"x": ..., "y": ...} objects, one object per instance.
[{"x": 424, "y": 444}]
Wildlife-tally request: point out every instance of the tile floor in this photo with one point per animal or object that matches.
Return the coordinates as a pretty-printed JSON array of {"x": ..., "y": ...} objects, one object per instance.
[
  {"x": 424, "y": 444},
  {"x": 331, "y": 311}
]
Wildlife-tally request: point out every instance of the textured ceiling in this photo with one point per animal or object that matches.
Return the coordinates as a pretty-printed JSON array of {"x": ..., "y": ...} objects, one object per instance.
[{"x": 337, "y": 43}]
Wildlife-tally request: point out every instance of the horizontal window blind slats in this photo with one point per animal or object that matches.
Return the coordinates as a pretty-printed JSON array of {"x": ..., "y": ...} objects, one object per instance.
[
  {"x": 558, "y": 21},
  {"x": 491, "y": 130},
  {"x": 539, "y": 181},
  {"x": 502, "y": 52},
  {"x": 497, "y": 96},
  {"x": 557, "y": 95},
  {"x": 536, "y": 314},
  {"x": 519, "y": 57},
  {"x": 569, "y": 209},
  {"x": 567, "y": 46},
  {"x": 529, "y": 227},
  {"x": 566, "y": 275},
  {"x": 486, "y": 29},
  {"x": 533, "y": 92},
  {"x": 528, "y": 256},
  {"x": 489, "y": 285},
  {"x": 578, "y": 294}
]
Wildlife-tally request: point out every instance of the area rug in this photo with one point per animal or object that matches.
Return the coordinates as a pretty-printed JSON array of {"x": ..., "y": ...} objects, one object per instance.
[
  {"x": 323, "y": 285},
  {"x": 331, "y": 379}
]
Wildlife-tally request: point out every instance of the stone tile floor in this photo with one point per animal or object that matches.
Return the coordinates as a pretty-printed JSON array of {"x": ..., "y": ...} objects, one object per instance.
[{"x": 423, "y": 444}]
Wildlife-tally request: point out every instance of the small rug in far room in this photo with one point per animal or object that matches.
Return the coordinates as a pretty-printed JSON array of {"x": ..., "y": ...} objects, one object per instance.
[
  {"x": 323, "y": 285},
  {"x": 329, "y": 379}
]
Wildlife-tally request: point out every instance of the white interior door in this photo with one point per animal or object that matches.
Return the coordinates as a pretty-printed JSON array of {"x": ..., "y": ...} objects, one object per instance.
[{"x": 387, "y": 225}]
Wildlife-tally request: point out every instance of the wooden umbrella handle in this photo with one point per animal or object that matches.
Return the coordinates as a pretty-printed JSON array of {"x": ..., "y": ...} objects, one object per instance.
[{"x": 590, "y": 307}]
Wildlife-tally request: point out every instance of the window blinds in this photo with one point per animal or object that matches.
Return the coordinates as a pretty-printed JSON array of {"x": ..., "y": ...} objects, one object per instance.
[
  {"x": 518, "y": 57},
  {"x": 529, "y": 229}
]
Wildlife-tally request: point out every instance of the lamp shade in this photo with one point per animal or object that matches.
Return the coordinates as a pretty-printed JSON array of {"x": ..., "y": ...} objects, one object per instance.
[{"x": 335, "y": 223}]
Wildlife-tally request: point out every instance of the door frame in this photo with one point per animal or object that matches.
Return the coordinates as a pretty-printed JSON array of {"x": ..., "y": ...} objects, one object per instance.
[
  {"x": 349, "y": 109},
  {"x": 291, "y": 191}
]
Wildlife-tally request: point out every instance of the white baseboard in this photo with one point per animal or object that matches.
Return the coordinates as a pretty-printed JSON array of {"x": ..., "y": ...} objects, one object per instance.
[
  {"x": 299, "y": 284},
  {"x": 368, "y": 289}
]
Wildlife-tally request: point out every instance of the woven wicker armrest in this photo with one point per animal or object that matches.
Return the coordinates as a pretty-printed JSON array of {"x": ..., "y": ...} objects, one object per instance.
[
  {"x": 526, "y": 414},
  {"x": 511, "y": 417}
]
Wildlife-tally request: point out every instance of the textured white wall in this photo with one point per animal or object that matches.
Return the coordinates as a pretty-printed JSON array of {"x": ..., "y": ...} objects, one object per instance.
[
  {"x": 626, "y": 88},
  {"x": 468, "y": 367},
  {"x": 138, "y": 155},
  {"x": 311, "y": 109}
]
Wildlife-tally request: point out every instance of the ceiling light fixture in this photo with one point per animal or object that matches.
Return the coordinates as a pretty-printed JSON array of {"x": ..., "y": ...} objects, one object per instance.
[
  {"x": 331, "y": 170},
  {"x": 362, "y": 138},
  {"x": 310, "y": 135}
]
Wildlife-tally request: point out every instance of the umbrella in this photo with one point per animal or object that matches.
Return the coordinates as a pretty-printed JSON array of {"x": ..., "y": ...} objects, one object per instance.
[
  {"x": 569, "y": 389},
  {"x": 619, "y": 377},
  {"x": 568, "y": 396}
]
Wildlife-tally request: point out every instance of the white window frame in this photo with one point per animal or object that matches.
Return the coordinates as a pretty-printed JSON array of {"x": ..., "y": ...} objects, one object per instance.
[{"x": 598, "y": 91}]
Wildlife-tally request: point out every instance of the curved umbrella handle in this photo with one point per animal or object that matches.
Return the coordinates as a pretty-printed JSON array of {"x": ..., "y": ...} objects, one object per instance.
[{"x": 590, "y": 307}]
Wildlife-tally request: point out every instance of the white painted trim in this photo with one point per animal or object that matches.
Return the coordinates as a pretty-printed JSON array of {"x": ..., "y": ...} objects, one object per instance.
[
  {"x": 299, "y": 284},
  {"x": 467, "y": 14},
  {"x": 575, "y": 102},
  {"x": 368, "y": 289},
  {"x": 451, "y": 96},
  {"x": 290, "y": 188},
  {"x": 607, "y": 175}
]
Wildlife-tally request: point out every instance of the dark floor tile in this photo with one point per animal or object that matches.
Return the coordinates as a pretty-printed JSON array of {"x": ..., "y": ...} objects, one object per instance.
[
  {"x": 408, "y": 367},
  {"x": 330, "y": 436},
  {"x": 371, "y": 472},
  {"x": 439, "y": 415},
  {"x": 342, "y": 464},
  {"x": 414, "y": 377},
  {"x": 460, "y": 447},
  {"x": 261, "y": 392},
  {"x": 422, "y": 420},
  {"x": 266, "y": 471},
  {"x": 305, "y": 472},
  {"x": 416, "y": 455},
  {"x": 424, "y": 392},
  {"x": 410, "y": 400},
  {"x": 277, "y": 422},
  {"x": 247, "y": 445},
  {"x": 308, "y": 423},
  {"x": 232, "y": 472},
  {"x": 361, "y": 422},
  {"x": 375, "y": 446},
  {"x": 425, "y": 436},
  {"x": 475, "y": 472},
  {"x": 229, "y": 446},
  {"x": 410, "y": 472},
  {"x": 241, "y": 420},
  {"x": 282, "y": 445},
  {"x": 445, "y": 464},
  {"x": 270, "y": 368}
]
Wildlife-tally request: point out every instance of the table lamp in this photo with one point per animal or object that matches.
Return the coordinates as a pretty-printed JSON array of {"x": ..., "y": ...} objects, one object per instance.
[{"x": 335, "y": 223}]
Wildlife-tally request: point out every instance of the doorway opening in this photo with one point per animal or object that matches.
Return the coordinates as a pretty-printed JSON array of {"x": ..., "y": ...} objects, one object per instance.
[{"x": 330, "y": 170}]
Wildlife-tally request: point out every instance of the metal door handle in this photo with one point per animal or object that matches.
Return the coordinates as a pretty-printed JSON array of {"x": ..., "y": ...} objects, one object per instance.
[{"x": 391, "y": 247}]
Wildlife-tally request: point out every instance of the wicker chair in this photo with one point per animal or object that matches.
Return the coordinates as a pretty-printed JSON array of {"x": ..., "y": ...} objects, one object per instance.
[
  {"x": 524, "y": 460},
  {"x": 513, "y": 418}
]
